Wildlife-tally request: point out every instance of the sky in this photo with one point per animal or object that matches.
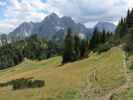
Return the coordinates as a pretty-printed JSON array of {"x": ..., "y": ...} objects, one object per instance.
[{"x": 87, "y": 12}]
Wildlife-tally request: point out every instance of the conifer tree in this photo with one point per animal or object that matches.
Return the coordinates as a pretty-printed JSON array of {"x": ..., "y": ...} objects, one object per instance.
[
  {"x": 77, "y": 43},
  {"x": 69, "y": 52}
]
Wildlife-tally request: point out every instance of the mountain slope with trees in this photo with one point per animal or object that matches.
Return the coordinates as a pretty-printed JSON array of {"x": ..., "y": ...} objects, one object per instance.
[
  {"x": 124, "y": 31},
  {"x": 33, "y": 47}
]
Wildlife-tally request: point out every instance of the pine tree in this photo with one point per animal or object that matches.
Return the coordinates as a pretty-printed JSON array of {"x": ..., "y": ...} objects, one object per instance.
[
  {"x": 84, "y": 48},
  {"x": 102, "y": 36},
  {"x": 94, "y": 40},
  {"x": 69, "y": 52},
  {"x": 77, "y": 43}
]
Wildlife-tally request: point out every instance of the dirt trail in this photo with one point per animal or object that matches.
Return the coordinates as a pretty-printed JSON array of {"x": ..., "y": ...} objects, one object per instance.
[{"x": 123, "y": 87}]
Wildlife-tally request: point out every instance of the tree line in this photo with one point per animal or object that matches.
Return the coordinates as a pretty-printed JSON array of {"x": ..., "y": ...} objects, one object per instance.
[
  {"x": 100, "y": 41},
  {"x": 33, "y": 47},
  {"x": 124, "y": 32},
  {"x": 72, "y": 48},
  {"x": 76, "y": 48}
]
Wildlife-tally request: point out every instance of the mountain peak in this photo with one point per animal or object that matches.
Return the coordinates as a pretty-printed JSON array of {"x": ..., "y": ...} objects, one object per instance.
[
  {"x": 107, "y": 26},
  {"x": 51, "y": 26},
  {"x": 52, "y": 16}
]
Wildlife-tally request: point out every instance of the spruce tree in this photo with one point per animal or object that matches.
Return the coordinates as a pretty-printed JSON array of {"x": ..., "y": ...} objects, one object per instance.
[
  {"x": 94, "y": 39},
  {"x": 69, "y": 52},
  {"x": 77, "y": 43}
]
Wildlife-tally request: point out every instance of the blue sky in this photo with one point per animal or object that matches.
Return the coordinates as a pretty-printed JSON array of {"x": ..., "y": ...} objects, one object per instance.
[{"x": 88, "y": 12}]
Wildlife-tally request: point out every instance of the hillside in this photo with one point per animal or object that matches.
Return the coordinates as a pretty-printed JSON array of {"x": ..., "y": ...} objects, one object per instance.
[{"x": 95, "y": 76}]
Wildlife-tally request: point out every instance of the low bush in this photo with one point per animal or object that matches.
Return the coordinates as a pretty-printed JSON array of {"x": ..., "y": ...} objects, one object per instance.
[
  {"x": 103, "y": 47},
  {"x": 24, "y": 83},
  {"x": 4, "y": 84}
]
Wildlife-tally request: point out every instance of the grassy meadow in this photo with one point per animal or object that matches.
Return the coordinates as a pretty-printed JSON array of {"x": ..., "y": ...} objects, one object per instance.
[{"x": 89, "y": 78}]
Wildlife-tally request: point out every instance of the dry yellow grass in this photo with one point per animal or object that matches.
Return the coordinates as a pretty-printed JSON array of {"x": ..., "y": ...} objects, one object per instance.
[{"x": 59, "y": 79}]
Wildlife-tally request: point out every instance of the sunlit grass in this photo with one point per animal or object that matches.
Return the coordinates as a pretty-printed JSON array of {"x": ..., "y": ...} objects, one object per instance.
[{"x": 60, "y": 79}]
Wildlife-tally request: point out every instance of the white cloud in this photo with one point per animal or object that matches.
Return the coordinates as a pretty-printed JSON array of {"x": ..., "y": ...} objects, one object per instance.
[
  {"x": 7, "y": 25},
  {"x": 2, "y": 3},
  {"x": 88, "y": 12},
  {"x": 17, "y": 12},
  {"x": 92, "y": 10}
]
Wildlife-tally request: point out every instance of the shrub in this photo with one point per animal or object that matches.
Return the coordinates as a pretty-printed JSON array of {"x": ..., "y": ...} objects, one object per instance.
[
  {"x": 103, "y": 47},
  {"x": 24, "y": 83},
  {"x": 27, "y": 83},
  {"x": 37, "y": 83},
  {"x": 131, "y": 65},
  {"x": 4, "y": 84}
]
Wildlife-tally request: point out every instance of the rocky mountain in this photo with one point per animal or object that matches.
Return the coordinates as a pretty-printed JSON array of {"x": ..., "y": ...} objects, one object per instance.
[
  {"x": 51, "y": 26},
  {"x": 107, "y": 26},
  {"x": 54, "y": 26}
]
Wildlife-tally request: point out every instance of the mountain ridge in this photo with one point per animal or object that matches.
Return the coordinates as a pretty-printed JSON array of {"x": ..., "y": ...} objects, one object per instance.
[
  {"x": 107, "y": 26},
  {"x": 49, "y": 27},
  {"x": 55, "y": 26}
]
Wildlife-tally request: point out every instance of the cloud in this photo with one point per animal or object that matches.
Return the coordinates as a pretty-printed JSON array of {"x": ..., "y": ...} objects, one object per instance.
[
  {"x": 7, "y": 25},
  {"x": 25, "y": 9},
  {"x": 88, "y": 12},
  {"x": 18, "y": 11},
  {"x": 92, "y": 10},
  {"x": 2, "y": 3}
]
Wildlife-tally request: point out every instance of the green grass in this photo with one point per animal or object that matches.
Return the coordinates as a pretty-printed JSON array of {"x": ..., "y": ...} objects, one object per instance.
[
  {"x": 68, "y": 81},
  {"x": 128, "y": 93}
]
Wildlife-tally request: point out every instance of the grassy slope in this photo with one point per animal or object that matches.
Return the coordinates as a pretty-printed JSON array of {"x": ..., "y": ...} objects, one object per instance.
[
  {"x": 128, "y": 93},
  {"x": 70, "y": 77}
]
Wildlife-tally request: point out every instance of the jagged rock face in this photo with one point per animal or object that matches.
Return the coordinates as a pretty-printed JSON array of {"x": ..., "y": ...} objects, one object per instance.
[
  {"x": 51, "y": 26},
  {"x": 108, "y": 27},
  {"x": 55, "y": 26},
  {"x": 24, "y": 30}
]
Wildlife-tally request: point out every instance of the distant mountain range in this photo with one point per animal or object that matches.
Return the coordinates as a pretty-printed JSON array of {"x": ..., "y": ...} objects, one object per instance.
[
  {"x": 108, "y": 27},
  {"x": 54, "y": 26},
  {"x": 51, "y": 26}
]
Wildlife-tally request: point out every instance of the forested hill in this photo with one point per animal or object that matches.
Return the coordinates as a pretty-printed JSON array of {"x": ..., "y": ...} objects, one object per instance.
[
  {"x": 34, "y": 48},
  {"x": 124, "y": 31}
]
